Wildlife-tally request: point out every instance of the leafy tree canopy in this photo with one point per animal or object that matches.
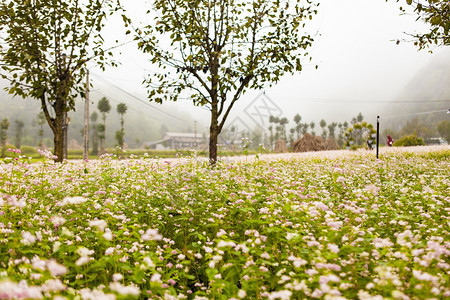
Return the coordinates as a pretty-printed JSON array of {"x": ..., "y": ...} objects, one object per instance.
[
  {"x": 436, "y": 13},
  {"x": 219, "y": 49}
]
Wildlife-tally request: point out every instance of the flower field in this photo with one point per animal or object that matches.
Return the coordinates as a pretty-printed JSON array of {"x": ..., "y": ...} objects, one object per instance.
[{"x": 338, "y": 225}]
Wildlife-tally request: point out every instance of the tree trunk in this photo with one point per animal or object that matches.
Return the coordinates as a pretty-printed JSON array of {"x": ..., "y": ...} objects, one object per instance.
[
  {"x": 213, "y": 135},
  {"x": 58, "y": 137}
]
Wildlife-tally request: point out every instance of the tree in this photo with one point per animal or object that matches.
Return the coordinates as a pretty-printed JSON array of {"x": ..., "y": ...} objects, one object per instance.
[
  {"x": 444, "y": 130},
  {"x": 121, "y": 110},
  {"x": 19, "y": 130},
  {"x": 4, "y": 125},
  {"x": 323, "y": 125},
  {"x": 436, "y": 13},
  {"x": 298, "y": 126},
  {"x": 104, "y": 107},
  {"x": 45, "y": 48},
  {"x": 312, "y": 125},
  {"x": 332, "y": 130},
  {"x": 219, "y": 49},
  {"x": 94, "y": 132},
  {"x": 41, "y": 121}
]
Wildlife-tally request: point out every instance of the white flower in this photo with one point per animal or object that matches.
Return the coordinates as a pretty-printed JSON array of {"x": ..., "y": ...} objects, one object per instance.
[
  {"x": 108, "y": 234},
  {"x": 151, "y": 234},
  {"x": 58, "y": 221},
  {"x": 125, "y": 290},
  {"x": 55, "y": 268},
  {"x": 28, "y": 238},
  {"x": 73, "y": 200},
  {"x": 100, "y": 224},
  {"x": 155, "y": 277},
  {"x": 117, "y": 277},
  {"x": 241, "y": 294},
  {"x": 333, "y": 248}
]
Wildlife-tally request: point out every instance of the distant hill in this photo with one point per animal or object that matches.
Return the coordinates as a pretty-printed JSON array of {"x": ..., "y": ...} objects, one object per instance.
[
  {"x": 143, "y": 120},
  {"x": 427, "y": 91}
]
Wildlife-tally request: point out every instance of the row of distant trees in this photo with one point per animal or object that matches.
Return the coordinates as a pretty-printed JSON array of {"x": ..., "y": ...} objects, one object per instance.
[
  {"x": 97, "y": 130},
  {"x": 216, "y": 51}
]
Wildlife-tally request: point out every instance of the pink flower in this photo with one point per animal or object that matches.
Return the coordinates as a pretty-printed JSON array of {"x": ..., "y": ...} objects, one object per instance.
[{"x": 55, "y": 268}]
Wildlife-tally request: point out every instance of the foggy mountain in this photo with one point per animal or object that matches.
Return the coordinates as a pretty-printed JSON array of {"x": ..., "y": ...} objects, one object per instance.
[
  {"x": 426, "y": 92},
  {"x": 144, "y": 121}
]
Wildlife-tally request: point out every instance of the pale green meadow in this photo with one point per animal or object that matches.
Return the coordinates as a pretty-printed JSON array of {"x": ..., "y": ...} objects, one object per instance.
[{"x": 329, "y": 225}]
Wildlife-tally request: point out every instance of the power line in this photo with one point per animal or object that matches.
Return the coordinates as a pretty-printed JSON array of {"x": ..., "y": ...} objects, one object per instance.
[
  {"x": 139, "y": 99},
  {"x": 415, "y": 114},
  {"x": 352, "y": 101}
]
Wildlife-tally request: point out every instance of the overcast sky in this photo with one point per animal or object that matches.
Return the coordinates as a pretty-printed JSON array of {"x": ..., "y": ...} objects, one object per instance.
[{"x": 359, "y": 63}]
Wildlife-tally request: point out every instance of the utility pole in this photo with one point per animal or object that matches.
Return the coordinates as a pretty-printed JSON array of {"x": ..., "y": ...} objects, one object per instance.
[
  {"x": 86, "y": 121},
  {"x": 195, "y": 134},
  {"x": 378, "y": 134}
]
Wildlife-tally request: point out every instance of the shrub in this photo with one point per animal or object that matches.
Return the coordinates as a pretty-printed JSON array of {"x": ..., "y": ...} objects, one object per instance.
[
  {"x": 409, "y": 140},
  {"x": 28, "y": 150}
]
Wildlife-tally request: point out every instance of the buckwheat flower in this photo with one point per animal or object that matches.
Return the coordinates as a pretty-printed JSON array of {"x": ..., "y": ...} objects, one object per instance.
[
  {"x": 83, "y": 260},
  {"x": 108, "y": 234},
  {"x": 296, "y": 261},
  {"x": 381, "y": 243},
  {"x": 66, "y": 232},
  {"x": 34, "y": 276},
  {"x": 27, "y": 238},
  {"x": 291, "y": 235},
  {"x": 207, "y": 249},
  {"x": 221, "y": 232},
  {"x": 148, "y": 262},
  {"x": 222, "y": 244},
  {"x": 155, "y": 277},
  {"x": 171, "y": 281},
  {"x": 117, "y": 277},
  {"x": 265, "y": 255},
  {"x": 151, "y": 235},
  {"x": 241, "y": 294},
  {"x": 198, "y": 255},
  {"x": 125, "y": 290},
  {"x": 58, "y": 221},
  {"x": 282, "y": 295},
  {"x": 53, "y": 285},
  {"x": 181, "y": 256},
  {"x": 100, "y": 224},
  {"x": 37, "y": 263},
  {"x": 110, "y": 251},
  {"x": 333, "y": 248},
  {"x": 55, "y": 268},
  {"x": 83, "y": 251},
  {"x": 72, "y": 200}
]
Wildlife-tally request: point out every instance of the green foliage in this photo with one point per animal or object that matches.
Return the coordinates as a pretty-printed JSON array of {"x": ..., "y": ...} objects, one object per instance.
[
  {"x": 409, "y": 140},
  {"x": 444, "y": 130},
  {"x": 45, "y": 48},
  {"x": 28, "y": 150},
  {"x": 4, "y": 125},
  {"x": 220, "y": 49},
  {"x": 360, "y": 135},
  {"x": 436, "y": 13},
  {"x": 270, "y": 229}
]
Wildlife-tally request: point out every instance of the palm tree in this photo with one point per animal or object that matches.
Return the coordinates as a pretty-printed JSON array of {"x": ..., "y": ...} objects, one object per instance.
[
  {"x": 94, "y": 117},
  {"x": 121, "y": 110},
  {"x": 104, "y": 107}
]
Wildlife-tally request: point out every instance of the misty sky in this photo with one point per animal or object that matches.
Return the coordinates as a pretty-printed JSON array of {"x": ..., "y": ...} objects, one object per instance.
[{"x": 360, "y": 65}]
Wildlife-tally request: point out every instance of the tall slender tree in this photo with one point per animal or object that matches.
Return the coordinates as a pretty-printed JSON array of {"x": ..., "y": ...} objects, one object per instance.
[
  {"x": 219, "y": 49},
  {"x": 94, "y": 132},
  {"x": 19, "y": 131},
  {"x": 45, "y": 46},
  {"x": 104, "y": 107},
  {"x": 4, "y": 125},
  {"x": 120, "y": 135}
]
